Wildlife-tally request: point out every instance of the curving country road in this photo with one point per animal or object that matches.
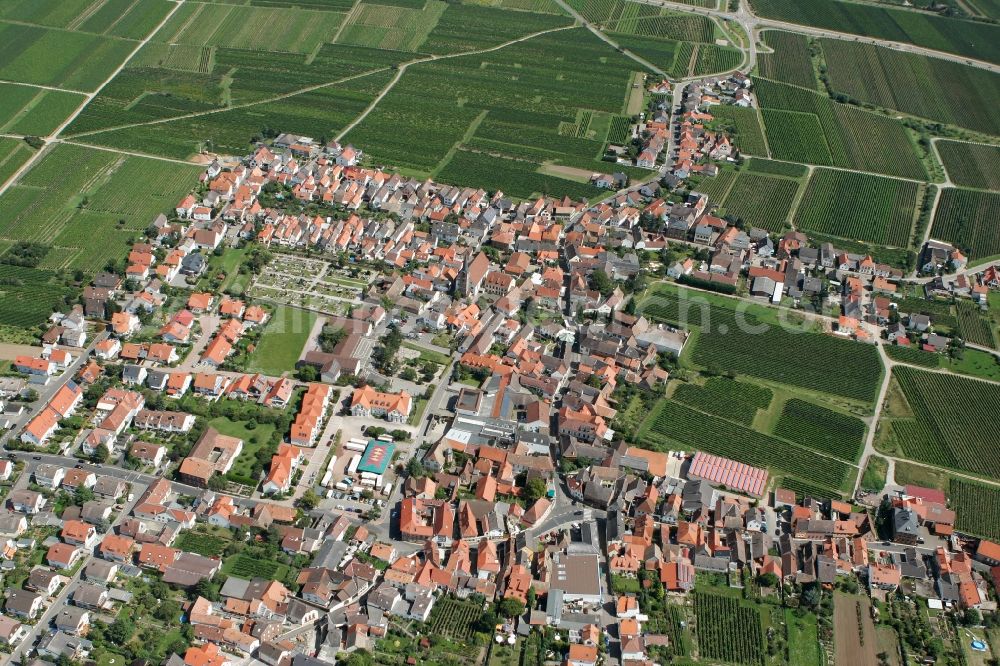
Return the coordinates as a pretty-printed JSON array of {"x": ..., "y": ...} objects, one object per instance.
[{"x": 747, "y": 18}]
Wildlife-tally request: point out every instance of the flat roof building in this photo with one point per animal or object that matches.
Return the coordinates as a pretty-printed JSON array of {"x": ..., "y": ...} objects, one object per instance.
[
  {"x": 376, "y": 457},
  {"x": 578, "y": 576}
]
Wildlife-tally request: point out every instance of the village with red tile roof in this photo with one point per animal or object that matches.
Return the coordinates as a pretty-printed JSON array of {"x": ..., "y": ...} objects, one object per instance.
[{"x": 327, "y": 408}]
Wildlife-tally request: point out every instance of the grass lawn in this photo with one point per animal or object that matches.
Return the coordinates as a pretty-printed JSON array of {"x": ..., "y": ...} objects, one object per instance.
[
  {"x": 974, "y": 657},
  {"x": 974, "y": 363},
  {"x": 803, "y": 639},
  {"x": 168, "y": 639},
  {"x": 875, "y": 471},
  {"x": 346, "y": 282},
  {"x": 428, "y": 354},
  {"x": 888, "y": 643},
  {"x": 111, "y": 659},
  {"x": 284, "y": 337},
  {"x": 228, "y": 263},
  {"x": 442, "y": 340},
  {"x": 505, "y": 655},
  {"x": 470, "y": 381},
  {"x": 253, "y": 440},
  {"x": 920, "y": 476},
  {"x": 418, "y": 411},
  {"x": 993, "y": 636}
]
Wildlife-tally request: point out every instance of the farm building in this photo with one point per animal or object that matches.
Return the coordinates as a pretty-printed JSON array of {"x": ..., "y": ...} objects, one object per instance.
[{"x": 376, "y": 457}]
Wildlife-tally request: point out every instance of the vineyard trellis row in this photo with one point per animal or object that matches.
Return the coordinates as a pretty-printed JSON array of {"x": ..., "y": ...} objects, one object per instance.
[
  {"x": 822, "y": 429},
  {"x": 968, "y": 219},
  {"x": 941, "y": 434},
  {"x": 737, "y": 401},
  {"x": 859, "y": 207},
  {"x": 977, "y": 506},
  {"x": 672, "y": 425},
  {"x": 848, "y": 369},
  {"x": 728, "y": 630}
]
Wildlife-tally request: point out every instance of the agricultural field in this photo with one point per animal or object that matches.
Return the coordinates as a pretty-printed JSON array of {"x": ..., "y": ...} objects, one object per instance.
[
  {"x": 796, "y": 137},
  {"x": 814, "y": 427},
  {"x": 743, "y": 127},
  {"x": 27, "y": 111},
  {"x": 47, "y": 56},
  {"x": 791, "y": 61},
  {"x": 28, "y": 296},
  {"x": 913, "y": 356},
  {"x": 978, "y": 507},
  {"x": 928, "y": 429},
  {"x": 472, "y": 28},
  {"x": 204, "y": 61},
  {"x": 761, "y": 201},
  {"x": 518, "y": 178},
  {"x": 121, "y": 18},
  {"x": 329, "y": 5},
  {"x": 859, "y": 207},
  {"x": 730, "y": 399},
  {"x": 643, "y": 20},
  {"x": 717, "y": 187},
  {"x": 244, "y": 566},
  {"x": 804, "y": 359},
  {"x": 711, "y": 59},
  {"x": 91, "y": 213},
  {"x": 971, "y": 165},
  {"x": 803, "y": 126},
  {"x": 283, "y": 340},
  {"x": 728, "y": 630},
  {"x": 965, "y": 96},
  {"x": 288, "y": 29},
  {"x": 13, "y": 153},
  {"x": 529, "y": 90},
  {"x": 203, "y": 542},
  {"x": 454, "y": 619},
  {"x": 671, "y": 56},
  {"x": 671, "y": 425},
  {"x": 179, "y": 57},
  {"x": 542, "y": 6},
  {"x": 974, "y": 325},
  {"x": 154, "y": 94},
  {"x": 855, "y": 641},
  {"x": 54, "y": 14},
  {"x": 968, "y": 38},
  {"x": 803, "y": 489},
  {"x": 318, "y": 113},
  {"x": 773, "y": 168},
  {"x": 394, "y": 28},
  {"x": 940, "y": 311},
  {"x": 968, "y": 219}
]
